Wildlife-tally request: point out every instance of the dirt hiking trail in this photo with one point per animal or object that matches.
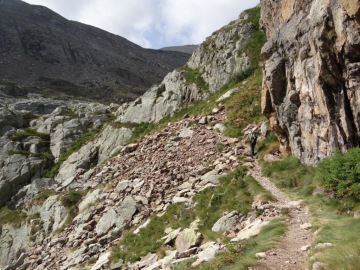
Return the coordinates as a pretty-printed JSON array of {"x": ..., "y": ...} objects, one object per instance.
[{"x": 292, "y": 251}]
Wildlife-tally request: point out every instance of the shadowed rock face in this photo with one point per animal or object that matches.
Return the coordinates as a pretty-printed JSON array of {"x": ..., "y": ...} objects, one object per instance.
[
  {"x": 311, "y": 87},
  {"x": 38, "y": 45}
]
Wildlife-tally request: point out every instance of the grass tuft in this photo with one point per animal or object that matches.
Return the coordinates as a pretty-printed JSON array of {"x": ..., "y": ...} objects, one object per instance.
[
  {"x": 12, "y": 217},
  {"x": 28, "y": 132}
]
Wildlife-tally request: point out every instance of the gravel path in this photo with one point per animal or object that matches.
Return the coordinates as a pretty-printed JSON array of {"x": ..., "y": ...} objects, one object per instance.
[{"x": 289, "y": 254}]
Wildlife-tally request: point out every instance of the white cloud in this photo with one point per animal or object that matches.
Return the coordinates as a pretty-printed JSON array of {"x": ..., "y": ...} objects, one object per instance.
[{"x": 153, "y": 23}]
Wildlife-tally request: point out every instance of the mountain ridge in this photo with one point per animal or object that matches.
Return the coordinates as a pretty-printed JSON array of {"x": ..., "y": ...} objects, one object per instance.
[{"x": 40, "y": 47}]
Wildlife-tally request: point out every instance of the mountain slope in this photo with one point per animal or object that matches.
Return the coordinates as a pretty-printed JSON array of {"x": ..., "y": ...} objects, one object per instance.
[
  {"x": 186, "y": 48},
  {"x": 39, "y": 46}
]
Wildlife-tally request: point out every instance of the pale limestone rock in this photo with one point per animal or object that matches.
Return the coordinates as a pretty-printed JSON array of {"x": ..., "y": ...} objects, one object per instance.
[
  {"x": 306, "y": 226},
  {"x": 186, "y": 239},
  {"x": 324, "y": 245},
  {"x": 91, "y": 198},
  {"x": 227, "y": 94},
  {"x": 106, "y": 222},
  {"x": 260, "y": 255},
  {"x": 65, "y": 134},
  {"x": 111, "y": 141},
  {"x": 102, "y": 261},
  {"x": 13, "y": 241},
  {"x": 207, "y": 253},
  {"x": 319, "y": 266},
  {"x": 186, "y": 133},
  {"x": 250, "y": 230},
  {"x": 53, "y": 214},
  {"x": 171, "y": 236},
  {"x": 118, "y": 217},
  {"x": 16, "y": 171},
  {"x": 82, "y": 159},
  {"x": 305, "y": 248},
  {"x": 147, "y": 260},
  {"x": 226, "y": 222}
]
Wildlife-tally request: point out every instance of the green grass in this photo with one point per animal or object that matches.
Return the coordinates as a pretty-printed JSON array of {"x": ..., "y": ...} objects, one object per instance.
[
  {"x": 235, "y": 192},
  {"x": 244, "y": 106},
  {"x": 85, "y": 138},
  {"x": 28, "y": 132},
  {"x": 193, "y": 76},
  {"x": 340, "y": 174},
  {"x": 43, "y": 155},
  {"x": 241, "y": 256},
  {"x": 12, "y": 217},
  {"x": 256, "y": 41}
]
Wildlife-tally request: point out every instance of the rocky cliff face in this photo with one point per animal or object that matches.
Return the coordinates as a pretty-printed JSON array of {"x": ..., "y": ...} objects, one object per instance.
[
  {"x": 311, "y": 85},
  {"x": 217, "y": 60},
  {"x": 39, "y": 46}
]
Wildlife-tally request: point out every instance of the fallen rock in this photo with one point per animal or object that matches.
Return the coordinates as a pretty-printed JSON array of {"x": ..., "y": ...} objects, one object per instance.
[
  {"x": 226, "y": 222},
  {"x": 187, "y": 239},
  {"x": 260, "y": 255},
  {"x": 324, "y": 245},
  {"x": 319, "y": 266},
  {"x": 306, "y": 226},
  {"x": 207, "y": 253},
  {"x": 102, "y": 261},
  {"x": 250, "y": 230}
]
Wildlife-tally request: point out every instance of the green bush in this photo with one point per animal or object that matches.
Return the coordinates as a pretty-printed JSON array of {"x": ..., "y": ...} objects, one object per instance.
[
  {"x": 71, "y": 199},
  {"x": 340, "y": 174}
]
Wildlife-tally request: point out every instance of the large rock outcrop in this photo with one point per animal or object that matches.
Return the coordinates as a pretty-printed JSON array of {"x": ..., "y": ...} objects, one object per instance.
[
  {"x": 217, "y": 60},
  {"x": 311, "y": 85}
]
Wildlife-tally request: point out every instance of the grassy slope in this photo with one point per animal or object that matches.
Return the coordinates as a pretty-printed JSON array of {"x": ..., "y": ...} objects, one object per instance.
[{"x": 332, "y": 211}]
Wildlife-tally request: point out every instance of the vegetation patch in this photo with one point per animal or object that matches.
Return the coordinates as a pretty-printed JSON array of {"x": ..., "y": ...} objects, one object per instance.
[
  {"x": 340, "y": 174},
  {"x": 28, "y": 132},
  {"x": 332, "y": 205},
  {"x": 12, "y": 217},
  {"x": 193, "y": 76},
  {"x": 71, "y": 201},
  {"x": 244, "y": 106},
  {"x": 42, "y": 155}
]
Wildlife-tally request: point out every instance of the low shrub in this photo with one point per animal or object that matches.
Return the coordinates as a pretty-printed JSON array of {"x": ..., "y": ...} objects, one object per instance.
[{"x": 340, "y": 173}]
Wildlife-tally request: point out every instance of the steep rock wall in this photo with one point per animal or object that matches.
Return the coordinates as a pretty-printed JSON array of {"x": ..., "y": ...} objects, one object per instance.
[{"x": 311, "y": 85}]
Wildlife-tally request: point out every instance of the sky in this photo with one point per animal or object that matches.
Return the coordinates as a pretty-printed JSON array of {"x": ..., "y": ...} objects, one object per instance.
[{"x": 153, "y": 23}]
